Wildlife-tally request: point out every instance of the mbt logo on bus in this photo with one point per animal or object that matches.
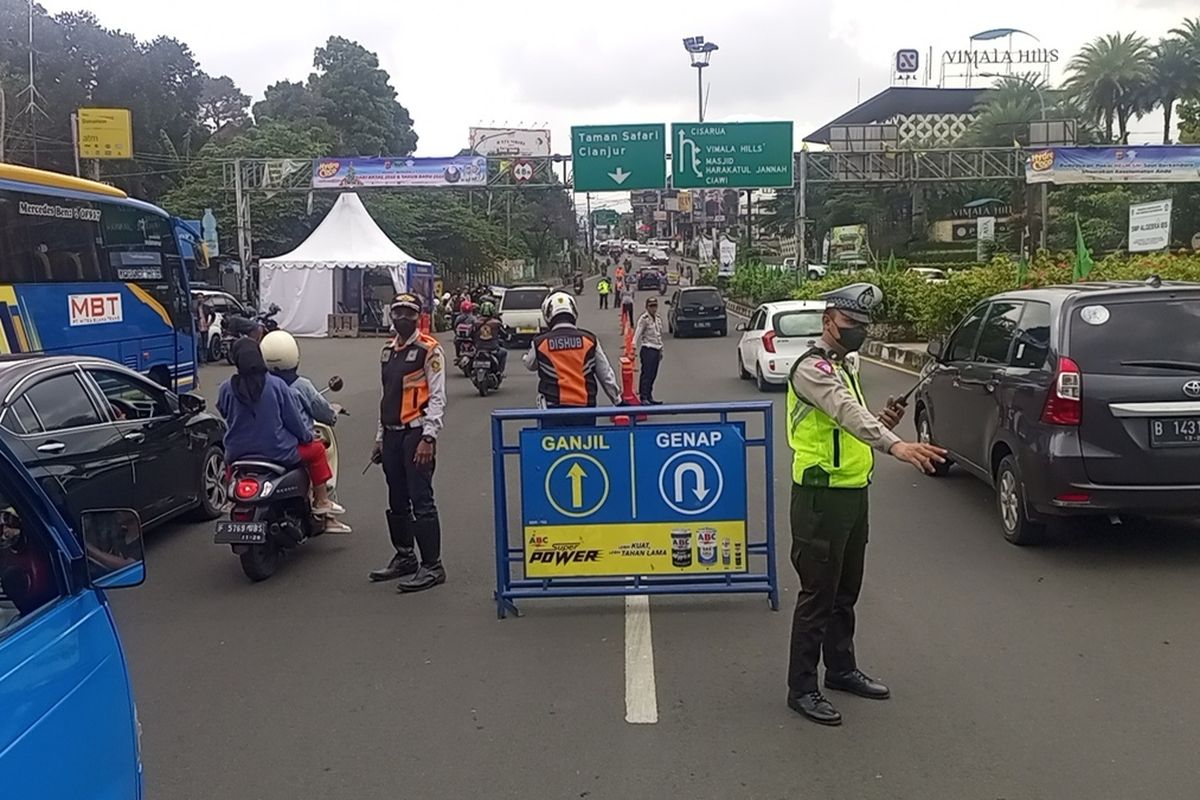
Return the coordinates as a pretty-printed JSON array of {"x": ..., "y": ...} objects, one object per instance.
[{"x": 93, "y": 309}]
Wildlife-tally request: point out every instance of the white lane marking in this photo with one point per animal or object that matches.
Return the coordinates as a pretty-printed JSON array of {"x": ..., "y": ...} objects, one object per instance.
[{"x": 641, "y": 696}]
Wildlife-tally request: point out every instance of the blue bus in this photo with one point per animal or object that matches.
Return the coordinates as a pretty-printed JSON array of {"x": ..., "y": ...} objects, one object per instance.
[{"x": 85, "y": 269}]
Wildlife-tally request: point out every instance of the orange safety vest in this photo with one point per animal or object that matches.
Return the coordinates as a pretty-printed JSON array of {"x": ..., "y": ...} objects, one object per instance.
[
  {"x": 566, "y": 365},
  {"x": 405, "y": 387}
]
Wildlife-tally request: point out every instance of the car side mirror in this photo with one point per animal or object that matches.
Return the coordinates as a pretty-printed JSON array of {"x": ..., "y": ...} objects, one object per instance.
[
  {"x": 336, "y": 383},
  {"x": 741, "y": 326},
  {"x": 191, "y": 403},
  {"x": 113, "y": 545},
  {"x": 935, "y": 349}
]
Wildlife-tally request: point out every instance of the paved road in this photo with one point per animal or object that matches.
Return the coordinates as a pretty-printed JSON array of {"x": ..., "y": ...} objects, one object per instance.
[{"x": 1058, "y": 672}]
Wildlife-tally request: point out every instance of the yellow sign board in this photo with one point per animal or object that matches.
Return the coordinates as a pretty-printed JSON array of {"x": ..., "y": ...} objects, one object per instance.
[
  {"x": 662, "y": 548},
  {"x": 105, "y": 133}
]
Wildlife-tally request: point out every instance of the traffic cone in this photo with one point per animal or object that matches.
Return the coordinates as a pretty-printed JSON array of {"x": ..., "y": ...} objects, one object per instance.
[{"x": 628, "y": 393}]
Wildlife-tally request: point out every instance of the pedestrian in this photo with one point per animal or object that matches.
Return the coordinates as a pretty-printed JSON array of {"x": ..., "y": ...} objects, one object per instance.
[
  {"x": 627, "y": 300},
  {"x": 204, "y": 321},
  {"x": 570, "y": 364},
  {"x": 603, "y": 288},
  {"x": 648, "y": 343},
  {"x": 832, "y": 435},
  {"x": 410, "y": 420}
]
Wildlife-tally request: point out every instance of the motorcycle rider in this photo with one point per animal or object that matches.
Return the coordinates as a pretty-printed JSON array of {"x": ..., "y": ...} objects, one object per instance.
[
  {"x": 570, "y": 364},
  {"x": 488, "y": 334},
  {"x": 281, "y": 353},
  {"x": 413, "y": 371},
  {"x": 264, "y": 422}
]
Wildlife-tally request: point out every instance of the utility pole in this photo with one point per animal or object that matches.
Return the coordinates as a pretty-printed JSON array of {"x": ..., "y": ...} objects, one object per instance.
[
  {"x": 800, "y": 202},
  {"x": 242, "y": 213}
]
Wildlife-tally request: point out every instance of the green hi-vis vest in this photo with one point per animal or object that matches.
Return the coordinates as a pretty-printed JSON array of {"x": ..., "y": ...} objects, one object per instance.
[{"x": 824, "y": 454}]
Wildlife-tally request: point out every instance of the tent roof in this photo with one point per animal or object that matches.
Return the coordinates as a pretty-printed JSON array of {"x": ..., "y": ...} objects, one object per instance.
[{"x": 347, "y": 238}]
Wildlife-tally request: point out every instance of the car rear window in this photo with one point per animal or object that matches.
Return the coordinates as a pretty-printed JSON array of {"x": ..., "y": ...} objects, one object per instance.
[
  {"x": 1105, "y": 336},
  {"x": 798, "y": 323},
  {"x": 523, "y": 299},
  {"x": 701, "y": 297}
]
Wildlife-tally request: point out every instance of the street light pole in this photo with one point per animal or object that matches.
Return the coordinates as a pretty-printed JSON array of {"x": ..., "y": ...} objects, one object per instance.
[
  {"x": 700, "y": 52},
  {"x": 700, "y": 91}
]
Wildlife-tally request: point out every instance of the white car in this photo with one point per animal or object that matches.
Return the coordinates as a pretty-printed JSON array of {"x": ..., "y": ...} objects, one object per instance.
[
  {"x": 930, "y": 274},
  {"x": 222, "y": 304},
  {"x": 641, "y": 249},
  {"x": 776, "y": 335},
  {"x": 521, "y": 313}
]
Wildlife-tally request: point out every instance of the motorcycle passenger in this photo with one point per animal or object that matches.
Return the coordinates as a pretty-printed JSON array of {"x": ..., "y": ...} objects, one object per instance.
[
  {"x": 265, "y": 422},
  {"x": 570, "y": 364},
  {"x": 281, "y": 354},
  {"x": 488, "y": 334}
]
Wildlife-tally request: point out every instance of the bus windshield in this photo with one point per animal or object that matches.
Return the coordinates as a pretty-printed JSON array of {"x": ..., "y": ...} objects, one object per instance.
[{"x": 91, "y": 274}]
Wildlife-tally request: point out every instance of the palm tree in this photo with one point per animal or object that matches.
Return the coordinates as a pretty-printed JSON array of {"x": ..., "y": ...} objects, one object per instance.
[
  {"x": 1109, "y": 76},
  {"x": 1189, "y": 32},
  {"x": 1172, "y": 76}
]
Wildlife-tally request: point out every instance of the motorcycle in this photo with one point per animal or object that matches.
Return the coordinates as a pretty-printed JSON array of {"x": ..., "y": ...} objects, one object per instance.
[
  {"x": 272, "y": 508},
  {"x": 236, "y": 326},
  {"x": 464, "y": 348},
  {"x": 486, "y": 374}
]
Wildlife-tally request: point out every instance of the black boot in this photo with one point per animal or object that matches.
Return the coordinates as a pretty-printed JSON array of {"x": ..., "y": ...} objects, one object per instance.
[
  {"x": 428, "y": 533},
  {"x": 404, "y": 562}
]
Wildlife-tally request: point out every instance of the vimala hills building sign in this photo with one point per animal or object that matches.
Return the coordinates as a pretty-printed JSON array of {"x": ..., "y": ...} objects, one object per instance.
[{"x": 998, "y": 57}]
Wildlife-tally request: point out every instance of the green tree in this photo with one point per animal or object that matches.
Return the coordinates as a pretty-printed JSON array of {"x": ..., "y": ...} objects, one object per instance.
[
  {"x": 362, "y": 105},
  {"x": 222, "y": 103},
  {"x": 1173, "y": 75},
  {"x": 1109, "y": 76},
  {"x": 1189, "y": 122}
]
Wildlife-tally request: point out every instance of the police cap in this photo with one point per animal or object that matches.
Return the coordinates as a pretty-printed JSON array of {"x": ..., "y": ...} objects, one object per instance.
[
  {"x": 855, "y": 301},
  {"x": 406, "y": 300}
]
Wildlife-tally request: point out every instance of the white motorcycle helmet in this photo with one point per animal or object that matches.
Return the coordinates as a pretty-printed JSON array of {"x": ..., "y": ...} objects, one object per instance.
[
  {"x": 558, "y": 304},
  {"x": 280, "y": 351}
]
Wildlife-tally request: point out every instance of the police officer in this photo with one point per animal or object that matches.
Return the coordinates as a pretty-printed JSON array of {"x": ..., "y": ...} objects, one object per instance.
[
  {"x": 410, "y": 419},
  {"x": 832, "y": 435},
  {"x": 569, "y": 362}
]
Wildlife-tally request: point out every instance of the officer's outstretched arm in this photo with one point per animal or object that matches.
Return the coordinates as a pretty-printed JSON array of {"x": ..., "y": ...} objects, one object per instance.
[
  {"x": 435, "y": 377},
  {"x": 816, "y": 382},
  {"x": 606, "y": 376}
]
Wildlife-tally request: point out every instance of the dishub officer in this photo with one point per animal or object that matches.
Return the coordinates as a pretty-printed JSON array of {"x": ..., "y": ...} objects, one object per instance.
[
  {"x": 410, "y": 418},
  {"x": 832, "y": 435}
]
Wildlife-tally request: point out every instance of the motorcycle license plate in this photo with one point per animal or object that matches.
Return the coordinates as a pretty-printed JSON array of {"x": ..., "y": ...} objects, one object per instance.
[{"x": 241, "y": 533}]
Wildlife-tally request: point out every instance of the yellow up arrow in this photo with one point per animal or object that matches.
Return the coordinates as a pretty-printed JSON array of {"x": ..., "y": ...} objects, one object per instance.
[{"x": 576, "y": 474}]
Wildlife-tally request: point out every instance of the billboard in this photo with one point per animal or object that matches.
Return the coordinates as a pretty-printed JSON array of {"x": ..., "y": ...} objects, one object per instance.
[
  {"x": 1149, "y": 226},
  {"x": 354, "y": 172},
  {"x": 848, "y": 245},
  {"x": 529, "y": 142},
  {"x": 1149, "y": 164},
  {"x": 105, "y": 133}
]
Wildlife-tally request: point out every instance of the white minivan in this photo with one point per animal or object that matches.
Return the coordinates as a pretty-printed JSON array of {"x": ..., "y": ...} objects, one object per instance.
[{"x": 521, "y": 313}]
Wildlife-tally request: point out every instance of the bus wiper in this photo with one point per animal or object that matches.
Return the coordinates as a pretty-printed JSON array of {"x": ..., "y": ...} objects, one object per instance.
[{"x": 1186, "y": 366}]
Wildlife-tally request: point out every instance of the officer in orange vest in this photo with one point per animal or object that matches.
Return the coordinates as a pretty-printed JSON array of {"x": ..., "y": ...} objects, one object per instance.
[
  {"x": 570, "y": 364},
  {"x": 410, "y": 419}
]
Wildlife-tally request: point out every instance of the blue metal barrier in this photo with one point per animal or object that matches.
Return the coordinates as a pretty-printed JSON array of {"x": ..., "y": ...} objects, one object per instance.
[{"x": 658, "y": 506}]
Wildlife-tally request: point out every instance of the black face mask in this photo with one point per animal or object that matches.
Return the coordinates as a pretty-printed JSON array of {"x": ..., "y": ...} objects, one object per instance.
[
  {"x": 852, "y": 338},
  {"x": 404, "y": 326}
]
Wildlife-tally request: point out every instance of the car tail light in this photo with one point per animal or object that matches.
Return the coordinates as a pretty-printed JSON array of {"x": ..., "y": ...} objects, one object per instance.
[
  {"x": 246, "y": 488},
  {"x": 1064, "y": 404},
  {"x": 769, "y": 342}
]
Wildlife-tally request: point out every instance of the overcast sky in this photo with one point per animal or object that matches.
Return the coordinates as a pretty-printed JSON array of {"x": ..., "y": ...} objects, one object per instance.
[{"x": 457, "y": 63}]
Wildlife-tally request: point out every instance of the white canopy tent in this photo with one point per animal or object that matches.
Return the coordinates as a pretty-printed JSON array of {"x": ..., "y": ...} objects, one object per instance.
[{"x": 302, "y": 283}]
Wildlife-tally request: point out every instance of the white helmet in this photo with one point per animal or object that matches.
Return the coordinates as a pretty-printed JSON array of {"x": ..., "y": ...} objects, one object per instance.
[
  {"x": 280, "y": 351},
  {"x": 558, "y": 304}
]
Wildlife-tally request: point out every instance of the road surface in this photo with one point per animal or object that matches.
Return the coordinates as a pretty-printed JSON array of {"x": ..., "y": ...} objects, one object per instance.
[{"x": 1057, "y": 672}]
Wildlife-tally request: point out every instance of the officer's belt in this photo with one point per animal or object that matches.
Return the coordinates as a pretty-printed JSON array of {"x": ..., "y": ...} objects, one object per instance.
[{"x": 416, "y": 423}]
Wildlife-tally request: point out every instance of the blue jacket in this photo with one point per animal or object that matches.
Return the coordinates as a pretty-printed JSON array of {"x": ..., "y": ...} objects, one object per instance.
[{"x": 272, "y": 430}]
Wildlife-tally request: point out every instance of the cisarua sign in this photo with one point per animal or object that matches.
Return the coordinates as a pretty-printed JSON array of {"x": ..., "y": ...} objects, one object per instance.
[{"x": 732, "y": 155}]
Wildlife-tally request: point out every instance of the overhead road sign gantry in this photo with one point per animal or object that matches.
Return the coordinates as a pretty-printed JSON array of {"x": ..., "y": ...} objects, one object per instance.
[
  {"x": 619, "y": 158},
  {"x": 731, "y": 155}
]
